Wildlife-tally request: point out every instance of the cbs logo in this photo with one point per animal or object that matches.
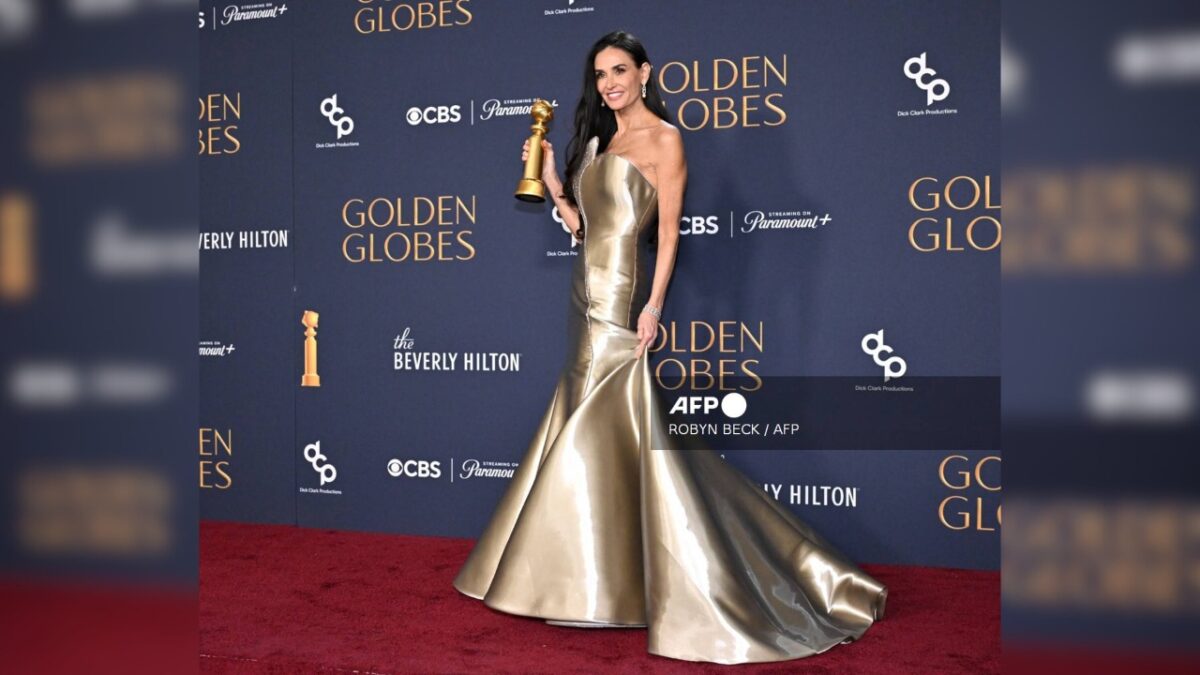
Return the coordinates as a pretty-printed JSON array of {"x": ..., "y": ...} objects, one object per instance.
[
  {"x": 414, "y": 468},
  {"x": 434, "y": 114},
  {"x": 698, "y": 225}
]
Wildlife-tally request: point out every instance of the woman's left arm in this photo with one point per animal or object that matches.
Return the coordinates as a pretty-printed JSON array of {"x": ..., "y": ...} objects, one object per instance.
[{"x": 672, "y": 180}]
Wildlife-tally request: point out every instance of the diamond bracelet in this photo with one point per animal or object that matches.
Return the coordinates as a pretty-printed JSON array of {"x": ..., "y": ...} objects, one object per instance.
[{"x": 653, "y": 310}]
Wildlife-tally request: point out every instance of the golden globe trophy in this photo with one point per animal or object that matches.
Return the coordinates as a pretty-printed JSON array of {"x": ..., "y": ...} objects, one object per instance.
[
  {"x": 310, "y": 321},
  {"x": 531, "y": 188}
]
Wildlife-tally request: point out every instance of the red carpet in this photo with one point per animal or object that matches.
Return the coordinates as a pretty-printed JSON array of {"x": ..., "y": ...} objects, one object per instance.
[{"x": 280, "y": 599}]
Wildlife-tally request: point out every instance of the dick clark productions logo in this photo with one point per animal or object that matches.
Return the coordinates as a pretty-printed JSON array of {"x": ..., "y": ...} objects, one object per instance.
[
  {"x": 894, "y": 367},
  {"x": 312, "y": 453},
  {"x": 334, "y": 113},
  {"x": 916, "y": 70}
]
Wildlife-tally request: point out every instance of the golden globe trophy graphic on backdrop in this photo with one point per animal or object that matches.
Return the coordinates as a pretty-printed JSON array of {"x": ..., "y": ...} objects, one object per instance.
[
  {"x": 531, "y": 188},
  {"x": 309, "y": 321}
]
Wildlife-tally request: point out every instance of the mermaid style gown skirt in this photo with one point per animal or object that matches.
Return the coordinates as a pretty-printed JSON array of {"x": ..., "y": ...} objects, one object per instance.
[{"x": 606, "y": 521}]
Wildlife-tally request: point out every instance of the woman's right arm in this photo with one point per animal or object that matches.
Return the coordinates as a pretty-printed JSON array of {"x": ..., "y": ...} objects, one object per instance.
[{"x": 567, "y": 211}]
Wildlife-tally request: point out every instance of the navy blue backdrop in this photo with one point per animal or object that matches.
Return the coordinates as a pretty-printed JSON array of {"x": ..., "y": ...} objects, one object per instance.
[{"x": 358, "y": 159}]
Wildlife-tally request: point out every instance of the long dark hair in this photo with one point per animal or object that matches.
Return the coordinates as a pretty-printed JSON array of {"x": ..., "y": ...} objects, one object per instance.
[{"x": 593, "y": 120}]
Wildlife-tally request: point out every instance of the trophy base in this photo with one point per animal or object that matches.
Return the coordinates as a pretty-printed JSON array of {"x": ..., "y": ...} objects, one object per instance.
[
  {"x": 531, "y": 190},
  {"x": 310, "y": 380}
]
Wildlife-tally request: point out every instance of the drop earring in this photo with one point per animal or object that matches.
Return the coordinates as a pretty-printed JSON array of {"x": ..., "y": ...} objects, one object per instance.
[{"x": 643, "y": 90}]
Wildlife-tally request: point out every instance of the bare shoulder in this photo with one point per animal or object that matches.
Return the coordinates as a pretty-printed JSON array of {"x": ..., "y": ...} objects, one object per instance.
[{"x": 668, "y": 144}]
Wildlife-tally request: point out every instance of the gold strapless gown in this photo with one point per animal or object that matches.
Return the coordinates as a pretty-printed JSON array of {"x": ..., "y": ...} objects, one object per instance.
[{"x": 605, "y": 521}]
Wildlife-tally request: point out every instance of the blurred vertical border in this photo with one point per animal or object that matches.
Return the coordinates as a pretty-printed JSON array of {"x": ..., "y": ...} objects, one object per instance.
[
  {"x": 1101, "y": 546},
  {"x": 98, "y": 377}
]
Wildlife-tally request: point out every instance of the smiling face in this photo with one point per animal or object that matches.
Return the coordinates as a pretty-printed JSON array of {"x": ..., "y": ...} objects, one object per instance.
[{"x": 618, "y": 79}]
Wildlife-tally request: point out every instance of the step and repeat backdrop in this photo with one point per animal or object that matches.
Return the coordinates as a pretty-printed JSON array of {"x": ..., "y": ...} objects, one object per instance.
[{"x": 382, "y": 323}]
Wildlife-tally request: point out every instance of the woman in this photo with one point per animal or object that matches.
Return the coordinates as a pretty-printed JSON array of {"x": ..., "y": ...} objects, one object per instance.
[{"x": 608, "y": 522}]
